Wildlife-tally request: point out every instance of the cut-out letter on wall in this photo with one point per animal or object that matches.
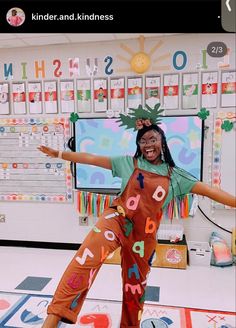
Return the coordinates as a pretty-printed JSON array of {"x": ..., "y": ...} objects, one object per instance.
[
  {"x": 57, "y": 63},
  {"x": 39, "y": 68}
]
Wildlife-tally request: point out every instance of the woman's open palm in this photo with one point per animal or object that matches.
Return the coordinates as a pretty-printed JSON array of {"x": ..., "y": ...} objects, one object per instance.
[{"x": 48, "y": 151}]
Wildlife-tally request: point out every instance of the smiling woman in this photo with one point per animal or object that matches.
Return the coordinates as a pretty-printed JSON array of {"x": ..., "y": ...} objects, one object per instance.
[
  {"x": 151, "y": 147},
  {"x": 150, "y": 179},
  {"x": 151, "y": 144}
]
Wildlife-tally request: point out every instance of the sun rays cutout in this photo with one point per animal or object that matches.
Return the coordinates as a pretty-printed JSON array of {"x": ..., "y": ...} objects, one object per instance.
[{"x": 140, "y": 62}]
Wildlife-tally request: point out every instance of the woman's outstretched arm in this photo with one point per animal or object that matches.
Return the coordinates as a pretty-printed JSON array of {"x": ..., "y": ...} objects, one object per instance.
[
  {"x": 83, "y": 158},
  {"x": 216, "y": 194}
]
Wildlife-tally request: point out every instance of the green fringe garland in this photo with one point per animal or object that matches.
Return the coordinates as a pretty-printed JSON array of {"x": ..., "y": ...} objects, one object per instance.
[{"x": 92, "y": 204}]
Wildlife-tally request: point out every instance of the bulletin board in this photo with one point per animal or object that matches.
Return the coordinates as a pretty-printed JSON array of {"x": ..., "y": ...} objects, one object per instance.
[{"x": 26, "y": 174}]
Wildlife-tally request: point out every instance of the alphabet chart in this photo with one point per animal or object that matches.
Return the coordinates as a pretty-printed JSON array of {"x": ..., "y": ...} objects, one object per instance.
[{"x": 26, "y": 174}]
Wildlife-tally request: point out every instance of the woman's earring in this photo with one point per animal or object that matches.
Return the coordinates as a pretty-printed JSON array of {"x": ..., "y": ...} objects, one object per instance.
[{"x": 162, "y": 156}]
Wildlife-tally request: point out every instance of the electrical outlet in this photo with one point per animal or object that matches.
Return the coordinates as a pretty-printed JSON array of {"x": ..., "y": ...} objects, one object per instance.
[
  {"x": 83, "y": 220},
  {"x": 2, "y": 218}
]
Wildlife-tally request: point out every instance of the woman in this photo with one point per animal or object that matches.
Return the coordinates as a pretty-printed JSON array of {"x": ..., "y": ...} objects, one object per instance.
[
  {"x": 150, "y": 180},
  {"x": 15, "y": 19}
]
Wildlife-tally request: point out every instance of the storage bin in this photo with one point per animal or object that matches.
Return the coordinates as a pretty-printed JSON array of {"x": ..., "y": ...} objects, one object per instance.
[
  {"x": 199, "y": 253},
  {"x": 169, "y": 231}
]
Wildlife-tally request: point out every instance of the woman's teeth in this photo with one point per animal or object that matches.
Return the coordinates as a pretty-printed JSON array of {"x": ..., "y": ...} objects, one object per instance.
[{"x": 150, "y": 152}]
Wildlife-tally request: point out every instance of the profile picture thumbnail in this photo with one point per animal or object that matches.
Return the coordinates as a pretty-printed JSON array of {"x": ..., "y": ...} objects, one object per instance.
[{"x": 15, "y": 16}]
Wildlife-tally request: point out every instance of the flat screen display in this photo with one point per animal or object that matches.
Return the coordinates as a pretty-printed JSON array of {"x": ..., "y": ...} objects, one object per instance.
[{"x": 103, "y": 136}]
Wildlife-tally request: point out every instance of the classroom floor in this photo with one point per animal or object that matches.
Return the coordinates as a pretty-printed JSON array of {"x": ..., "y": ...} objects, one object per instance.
[{"x": 196, "y": 297}]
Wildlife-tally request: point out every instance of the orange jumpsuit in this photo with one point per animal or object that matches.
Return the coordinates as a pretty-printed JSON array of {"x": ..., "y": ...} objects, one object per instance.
[{"x": 131, "y": 222}]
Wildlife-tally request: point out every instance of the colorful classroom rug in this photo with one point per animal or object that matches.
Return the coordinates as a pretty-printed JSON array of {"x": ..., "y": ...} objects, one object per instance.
[{"x": 19, "y": 310}]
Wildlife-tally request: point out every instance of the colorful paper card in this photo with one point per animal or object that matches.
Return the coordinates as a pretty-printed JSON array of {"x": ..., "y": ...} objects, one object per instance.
[
  {"x": 4, "y": 98},
  {"x": 190, "y": 90},
  {"x": 117, "y": 92},
  {"x": 134, "y": 92},
  {"x": 67, "y": 96},
  {"x": 100, "y": 94},
  {"x": 171, "y": 91},
  {"x": 209, "y": 89},
  {"x": 19, "y": 97},
  {"x": 228, "y": 89},
  {"x": 35, "y": 97},
  {"x": 152, "y": 90},
  {"x": 83, "y": 92},
  {"x": 50, "y": 97}
]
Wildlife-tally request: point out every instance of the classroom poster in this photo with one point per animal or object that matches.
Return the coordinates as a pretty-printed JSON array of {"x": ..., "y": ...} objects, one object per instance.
[
  {"x": 4, "y": 98},
  {"x": 83, "y": 91},
  {"x": 19, "y": 97},
  {"x": 35, "y": 97},
  {"x": 228, "y": 89},
  {"x": 171, "y": 91},
  {"x": 152, "y": 90},
  {"x": 100, "y": 95},
  {"x": 117, "y": 92},
  {"x": 209, "y": 89},
  {"x": 67, "y": 96},
  {"x": 190, "y": 90},
  {"x": 50, "y": 97},
  {"x": 135, "y": 92}
]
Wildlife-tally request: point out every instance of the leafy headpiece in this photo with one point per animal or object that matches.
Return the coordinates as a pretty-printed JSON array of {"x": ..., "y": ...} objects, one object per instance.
[{"x": 140, "y": 117}]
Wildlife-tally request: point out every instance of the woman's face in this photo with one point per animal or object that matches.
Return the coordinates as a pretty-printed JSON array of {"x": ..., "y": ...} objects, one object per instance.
[{"x": 150, "y": 146}]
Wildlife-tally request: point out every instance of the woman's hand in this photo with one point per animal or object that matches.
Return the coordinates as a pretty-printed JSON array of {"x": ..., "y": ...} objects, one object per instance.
[
  {"x": 83, "y": 158},
  {"x": 213, "y": 193},
  {"x": 48, "y": 151}
]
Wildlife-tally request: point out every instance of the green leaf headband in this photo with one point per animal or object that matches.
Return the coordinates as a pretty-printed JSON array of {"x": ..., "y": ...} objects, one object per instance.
[{"x": 139, "y": 117}]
